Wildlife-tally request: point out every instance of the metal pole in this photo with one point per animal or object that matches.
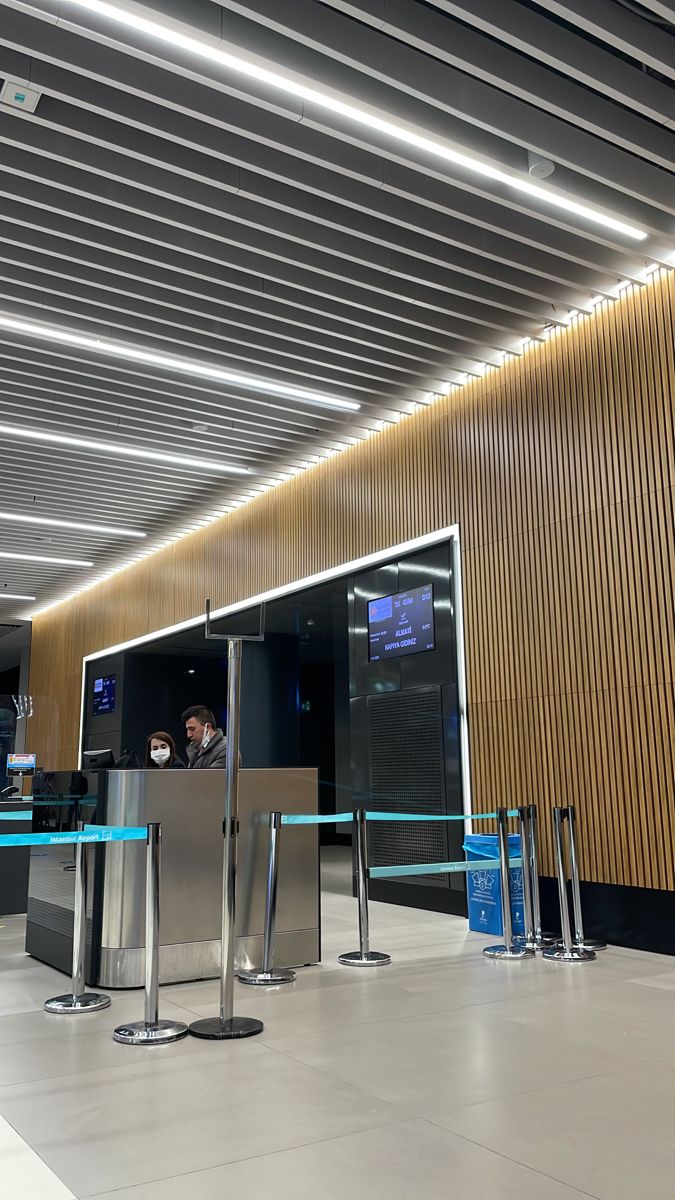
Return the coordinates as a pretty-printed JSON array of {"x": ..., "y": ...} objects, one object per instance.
[
  {"x": 152, "y": 866},
  {"x": 226, "y": 1025},
  {"x": 565, "y": 951},
  {"x": 525, "y": 842},
  {"x": 151, "y": 1031},
  {"x": 540, "y": 939},
  {"x": 579, "y": 939},
  {"x": 270, "y": 976},
  {"x": 364, "y": 956},
  {"x": 509, "y": 949},
  {"x": 78, "y": 1000}
]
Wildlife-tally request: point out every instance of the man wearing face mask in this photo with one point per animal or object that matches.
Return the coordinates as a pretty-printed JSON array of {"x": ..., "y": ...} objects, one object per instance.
[{"x": 206, "y": 743}]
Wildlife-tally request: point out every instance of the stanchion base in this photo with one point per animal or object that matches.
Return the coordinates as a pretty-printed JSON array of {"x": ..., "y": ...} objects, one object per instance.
[
  {"x": 372, "y": 959},
  {"x": 87, "y": 1002},
  {"x": 589, "y": 944},
  {"x": 273, "y": 978},
  {"x": 137, "y": 1033},
  {"x": 214, "y": 1030},
  {"x": 560, "y": 954},
  {"x": 543, "y": 940},
  {"x": 514, "y": 951}
]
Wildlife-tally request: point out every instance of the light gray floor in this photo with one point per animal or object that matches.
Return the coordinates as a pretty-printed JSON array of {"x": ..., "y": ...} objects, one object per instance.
[{"x": 443, "y": 1075}]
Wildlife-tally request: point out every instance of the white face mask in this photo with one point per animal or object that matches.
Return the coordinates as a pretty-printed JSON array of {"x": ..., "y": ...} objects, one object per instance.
[{"x": 160, "y": 756}]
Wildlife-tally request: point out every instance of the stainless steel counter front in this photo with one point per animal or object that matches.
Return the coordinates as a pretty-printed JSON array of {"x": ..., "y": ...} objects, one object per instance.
[{"x": 190, "y": 806}]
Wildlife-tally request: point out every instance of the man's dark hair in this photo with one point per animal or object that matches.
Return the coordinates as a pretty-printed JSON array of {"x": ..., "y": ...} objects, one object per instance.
[{"x": 201, "y": 714}]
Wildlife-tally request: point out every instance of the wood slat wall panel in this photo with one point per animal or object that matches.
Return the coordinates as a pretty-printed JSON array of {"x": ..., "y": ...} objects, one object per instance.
[{"x": 560, "y": 469}]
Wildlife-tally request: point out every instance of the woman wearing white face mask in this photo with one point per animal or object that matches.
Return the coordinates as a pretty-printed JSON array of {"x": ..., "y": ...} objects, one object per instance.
[{"x": 160, "y": 754}]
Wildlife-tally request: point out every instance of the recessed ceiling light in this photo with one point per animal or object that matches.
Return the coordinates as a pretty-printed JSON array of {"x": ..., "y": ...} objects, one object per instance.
[
  {"x": 14, "y": 596},
  {"x": 333, "y": 102},
  {"x": 108, "y": 448},
  {"x": 186, "y": 366},
  {"x": 52, "y": 522},
  {"x": 63, "y": 562}
]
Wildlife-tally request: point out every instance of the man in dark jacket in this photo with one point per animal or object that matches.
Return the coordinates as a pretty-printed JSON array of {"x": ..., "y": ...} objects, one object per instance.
[{"x": 206, "y": 744}]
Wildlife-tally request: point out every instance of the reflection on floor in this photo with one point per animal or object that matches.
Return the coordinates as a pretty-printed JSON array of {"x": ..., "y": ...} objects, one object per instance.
[{"x": 443, "y": 1075}]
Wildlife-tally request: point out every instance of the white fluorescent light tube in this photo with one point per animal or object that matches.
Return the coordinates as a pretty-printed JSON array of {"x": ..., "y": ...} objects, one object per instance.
[
  {"x": 186, "y": 366},
  {"x": 13, "y": 596},
  {"x": 401, "y": 133},
  {"x": 43, "y": 558},
  {"x": 107, "y": 448},
  {"x": 53, "y": 523}
]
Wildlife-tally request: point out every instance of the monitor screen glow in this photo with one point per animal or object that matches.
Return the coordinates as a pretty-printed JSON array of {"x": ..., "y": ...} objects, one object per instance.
[
  {"x": 401, "y": 624},
  {"x": 104, "y": 695},
  {"x": 21, "y": 764}
]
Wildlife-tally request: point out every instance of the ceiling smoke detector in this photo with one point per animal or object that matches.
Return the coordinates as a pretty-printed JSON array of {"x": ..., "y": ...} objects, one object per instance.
[
  {"x": 539, "y": 167},
  {"x": 19, "y": 95}
]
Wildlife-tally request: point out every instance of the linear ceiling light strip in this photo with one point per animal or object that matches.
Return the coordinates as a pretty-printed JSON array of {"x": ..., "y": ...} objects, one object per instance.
[
  {"x": 185, "y": 366},
  {"x": 361, "y": 116}
]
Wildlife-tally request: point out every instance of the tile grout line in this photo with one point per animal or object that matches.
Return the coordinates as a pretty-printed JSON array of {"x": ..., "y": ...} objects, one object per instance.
[
  {"x": 321, "y": 1141},
  {"x": 518, "y": 1162}
]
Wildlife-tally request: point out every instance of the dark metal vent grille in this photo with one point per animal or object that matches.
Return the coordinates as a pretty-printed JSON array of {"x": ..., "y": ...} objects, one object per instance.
[{"x": 407, "y": 775}]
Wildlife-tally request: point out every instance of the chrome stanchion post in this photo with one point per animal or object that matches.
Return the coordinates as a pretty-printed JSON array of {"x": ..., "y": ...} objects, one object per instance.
[
  {"x": 151, "y": 1031},
  {"x": 580, "y": 940},
  {"x": 525, "y": 843},
  {"x": 510, "y": 949},
  {"x": 565, "y": 951},
  {"x": 78, "y": 1000},
  {"x": 226, "y": 1025},
  {"x": 364, "y": 956},
  {"x": 270, "y": 976},
  {"x": 540, "y": 939}
]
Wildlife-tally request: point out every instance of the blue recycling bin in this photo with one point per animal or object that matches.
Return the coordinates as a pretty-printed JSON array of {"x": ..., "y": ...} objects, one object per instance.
[{"x": 483, "y": 890}]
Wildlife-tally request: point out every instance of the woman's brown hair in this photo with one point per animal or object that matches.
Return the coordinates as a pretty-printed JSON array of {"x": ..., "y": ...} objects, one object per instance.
[{"x": 161, "y": 737}]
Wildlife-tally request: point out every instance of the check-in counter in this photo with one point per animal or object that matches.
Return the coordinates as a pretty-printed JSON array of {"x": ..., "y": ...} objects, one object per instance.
[
  {"x": 14, "y": 859},
  {"x": 190, "y": 807}
]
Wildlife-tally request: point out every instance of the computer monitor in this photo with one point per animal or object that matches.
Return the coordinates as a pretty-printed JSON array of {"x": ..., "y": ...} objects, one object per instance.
[
  {"x": 401, "y": 624},
  {"x": 97, "y": 760},
  {"x": 21, "y": 764}
]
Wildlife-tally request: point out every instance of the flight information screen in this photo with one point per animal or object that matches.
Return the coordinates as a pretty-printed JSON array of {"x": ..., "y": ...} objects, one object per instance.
[
  {"x": 104, "y": 695},
  {"x": 401, "y": 624}
]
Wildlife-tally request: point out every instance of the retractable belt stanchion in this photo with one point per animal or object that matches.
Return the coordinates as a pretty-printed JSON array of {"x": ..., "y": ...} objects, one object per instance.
[
  {"x": 540, "y": 939},
  {"x": 511, "y": 949},
  {"x": 151, "y": 1031},
  {"x": 78, "y": 1000},
  {"x": 566, "y": 951},
  {"x": 226, "y": 1025},
  {"x": 269, "y": 975},
  {"x": 524, "y": 828},
  {"x": 364, "y": 956},
  {"x": 580, "y": 940}
]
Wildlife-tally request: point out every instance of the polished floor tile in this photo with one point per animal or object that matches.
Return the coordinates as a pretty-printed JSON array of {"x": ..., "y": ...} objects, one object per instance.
[
  {"x": 160, "y": 1117},
  {"x": 23, "y": 1175},
  {"x": 442, "y": 1074},
  {"x": 610, "y": 1136},
  {"x": 397, "y": 1161}
]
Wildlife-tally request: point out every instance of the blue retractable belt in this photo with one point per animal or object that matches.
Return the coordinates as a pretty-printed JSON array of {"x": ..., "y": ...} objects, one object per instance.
[
  {"x": 315, "y": 818},
  {"x": 332, "y": 818},
  {"x": 91, "y": 834},
  {"x": 24, "y": 815},
  {"x": 394, "y": 816},
  {"x": 448, "y": 868}
]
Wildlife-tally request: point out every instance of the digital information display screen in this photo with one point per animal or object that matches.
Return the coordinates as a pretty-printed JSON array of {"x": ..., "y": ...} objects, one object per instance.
[
  {"x": 401, "y": 624},
  {"x": 21, "y": 764},
  {"x": 104, "y": 695}
]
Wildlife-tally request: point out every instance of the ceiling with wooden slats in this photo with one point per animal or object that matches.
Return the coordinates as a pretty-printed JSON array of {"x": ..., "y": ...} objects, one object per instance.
[{"x": 238, "y": 237}]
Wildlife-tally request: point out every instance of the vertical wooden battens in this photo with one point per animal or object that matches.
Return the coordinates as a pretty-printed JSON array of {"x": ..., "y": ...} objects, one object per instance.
[{"x": 560, "y": 470}]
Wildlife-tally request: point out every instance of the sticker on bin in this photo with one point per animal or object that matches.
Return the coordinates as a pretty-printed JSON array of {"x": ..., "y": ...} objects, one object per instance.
[{"x": 483, "y": 892}]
